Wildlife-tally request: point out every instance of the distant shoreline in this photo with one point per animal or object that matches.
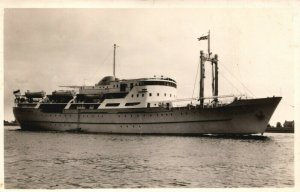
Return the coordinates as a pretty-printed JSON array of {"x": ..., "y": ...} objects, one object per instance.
[
  {"x": 11, "y": 124},
  {"x": 279, "y": 130}
]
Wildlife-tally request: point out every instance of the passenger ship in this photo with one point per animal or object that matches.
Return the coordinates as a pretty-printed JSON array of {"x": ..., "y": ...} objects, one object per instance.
[{"x": 142, "y": 106}]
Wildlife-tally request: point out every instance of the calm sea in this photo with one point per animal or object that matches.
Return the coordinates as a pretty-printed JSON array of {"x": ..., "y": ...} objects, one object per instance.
[{"x": 75, "y": 160}]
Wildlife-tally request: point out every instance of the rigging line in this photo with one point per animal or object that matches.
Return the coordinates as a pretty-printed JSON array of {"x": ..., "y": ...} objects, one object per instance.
[
  {"x": 287, "y": 103},
  {"x": 106, "y": 56},
  {"x": 238, "y": 80},
  {"x": 198, "y": 67},
  {"x": 230, "y": 83},
  {"x": 240, "y": 75}
]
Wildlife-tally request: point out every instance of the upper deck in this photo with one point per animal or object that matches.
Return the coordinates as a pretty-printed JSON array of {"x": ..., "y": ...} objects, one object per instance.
[
  {"x": 111, "y": 92},
  {"x": 110, "y": 84}
]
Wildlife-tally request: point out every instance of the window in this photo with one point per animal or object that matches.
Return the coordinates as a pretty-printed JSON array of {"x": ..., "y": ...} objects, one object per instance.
[
  {"x": 123, "y": 87},
  {"x": 142, "y": 94},
  {"x": 132, "y": 104},
  {"x": 165, "y": 94},
  {"x": 112, "y": 104},
  {"x": 170, "y": 95},
  {"x": 150, "y": 94},
  {"x": 137, "y": 95},
  {"x": 157, "y": 94},
  {"x": 163, "y": 83},
  {"x": 132, "y": 95}
]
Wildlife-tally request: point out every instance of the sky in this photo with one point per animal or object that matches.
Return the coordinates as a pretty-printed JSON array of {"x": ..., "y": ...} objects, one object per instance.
[{"x": 46, "y": 48}]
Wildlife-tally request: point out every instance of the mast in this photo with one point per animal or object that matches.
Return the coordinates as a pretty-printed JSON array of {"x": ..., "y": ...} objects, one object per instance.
[
  {"x": 114, "y": 67},
  {"x": 215, "y": 78},
  {"x": 202, "y": 73},
  {"x": 208, "y": 42}
]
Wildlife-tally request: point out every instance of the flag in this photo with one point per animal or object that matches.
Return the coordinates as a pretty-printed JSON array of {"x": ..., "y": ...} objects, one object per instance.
[
  {"x": 203, "y": 38},
  {"x": 17, "y": 91}
]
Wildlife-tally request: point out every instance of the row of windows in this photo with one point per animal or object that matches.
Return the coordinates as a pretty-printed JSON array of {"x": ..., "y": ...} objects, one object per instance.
[
  {"x": 165, "y": 83},
  {"x": 150, "y": 95},
  {"x": 117, "y": 104},
  {"x": 142, "y": 83},
  {"x": 144, "y": 115}
]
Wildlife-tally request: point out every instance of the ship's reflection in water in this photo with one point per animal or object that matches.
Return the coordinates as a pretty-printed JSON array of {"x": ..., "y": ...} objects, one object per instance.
[{"x": 76, "y": 160}]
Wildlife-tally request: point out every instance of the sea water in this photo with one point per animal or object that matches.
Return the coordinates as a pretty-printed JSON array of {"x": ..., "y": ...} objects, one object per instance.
[{"x": 57, "y": 160}]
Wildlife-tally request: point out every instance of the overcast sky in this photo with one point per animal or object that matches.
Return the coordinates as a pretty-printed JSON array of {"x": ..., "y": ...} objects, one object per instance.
[{"x": 45, "y": 48}]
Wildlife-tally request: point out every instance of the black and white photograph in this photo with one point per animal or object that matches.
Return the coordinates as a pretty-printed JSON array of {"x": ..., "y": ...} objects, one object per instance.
[{"x": 154, "y": 96}]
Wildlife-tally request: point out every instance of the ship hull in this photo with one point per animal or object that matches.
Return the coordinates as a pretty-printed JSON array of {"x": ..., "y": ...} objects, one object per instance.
[{"x": 245, "y": 116}]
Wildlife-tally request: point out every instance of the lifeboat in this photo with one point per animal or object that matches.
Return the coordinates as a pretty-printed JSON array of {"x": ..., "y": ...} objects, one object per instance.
[
  {"x": 37, "y": 94},
  {"x": 63, "y": 93}
]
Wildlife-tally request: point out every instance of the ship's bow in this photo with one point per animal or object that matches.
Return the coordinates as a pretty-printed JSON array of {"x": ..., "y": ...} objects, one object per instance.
[{"x": 253, "y": 115}]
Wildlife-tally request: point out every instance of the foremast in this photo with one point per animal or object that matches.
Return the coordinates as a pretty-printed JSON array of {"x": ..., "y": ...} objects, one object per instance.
[{"x": 215, "y": 74}]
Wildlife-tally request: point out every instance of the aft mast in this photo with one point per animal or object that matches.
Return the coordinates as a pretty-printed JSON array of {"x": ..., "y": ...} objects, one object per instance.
[{"x": 114, "y": 66}]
